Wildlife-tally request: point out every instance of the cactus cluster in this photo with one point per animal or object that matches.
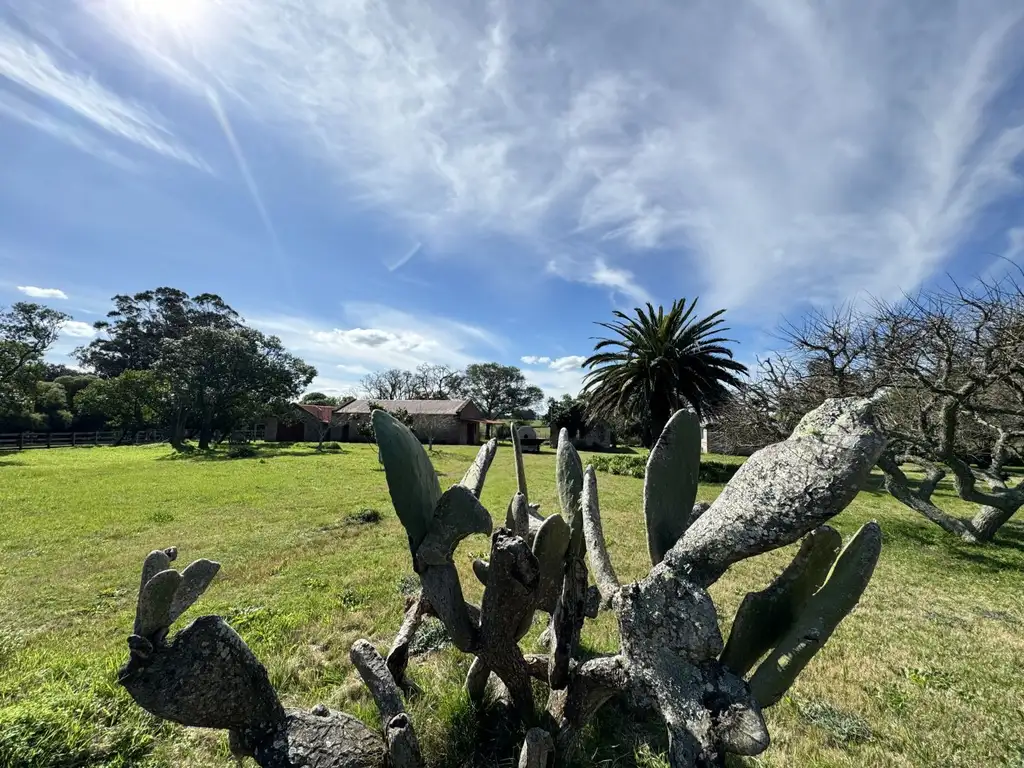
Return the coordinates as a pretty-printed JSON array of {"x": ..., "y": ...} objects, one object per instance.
[{"x": 709, "y": 693}]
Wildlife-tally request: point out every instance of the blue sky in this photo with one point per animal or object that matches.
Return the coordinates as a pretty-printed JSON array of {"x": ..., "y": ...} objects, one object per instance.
[{"x": 393, "y": 182}]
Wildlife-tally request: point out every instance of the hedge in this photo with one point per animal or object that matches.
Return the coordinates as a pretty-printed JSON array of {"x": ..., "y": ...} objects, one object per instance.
[{"x": 634, "y": 466}]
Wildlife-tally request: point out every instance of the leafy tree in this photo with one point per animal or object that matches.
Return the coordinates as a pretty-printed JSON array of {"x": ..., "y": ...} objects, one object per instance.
[
  {"x": 220, "y": 377},
  {"x": 567, "y": 413},
  {"x": 133, "y": 335},
  {"x": 54, "y": 371},
  {"x": 659, "y": 362},
  {"x": 319, "y": 398},
  {"x": 500, "y": 390},
  {"x": 133, "y": 401},
  {"x": 74, "y": 383},
  {"x": 26, "y": 331},
  {"x": 52, "y": 403}
]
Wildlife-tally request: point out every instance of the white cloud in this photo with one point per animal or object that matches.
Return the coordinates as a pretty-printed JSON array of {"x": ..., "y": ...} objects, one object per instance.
[
  {"x": 375, "y": 337},
  {"x": 42, "y": 293},
  {"x": 78, "y": 329},
  {"x": 65, "y": 85},
  {"x": 783, "y": 151},
  {"x": 567, "y": 363},
  {"x": 534, "y": 360}
]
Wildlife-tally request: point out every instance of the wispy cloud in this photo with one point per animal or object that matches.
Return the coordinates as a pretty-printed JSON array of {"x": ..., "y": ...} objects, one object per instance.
[
  {"x": 18, "y": 109},
  {"x": 42, "y": 293},
  {"x": 55, "y": 76},
  {"x": 785, "y": 151},
  {"x": 78, "y": 329},
  {"x": 405, "y": 257},
  {"x": 621, "y": 282},
  {"x": 243, "y": 166},
  {"x": 372, "y": 337}
]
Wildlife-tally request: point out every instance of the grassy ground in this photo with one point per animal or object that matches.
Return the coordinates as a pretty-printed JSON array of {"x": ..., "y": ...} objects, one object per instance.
[{"x": 926, "y": 672}]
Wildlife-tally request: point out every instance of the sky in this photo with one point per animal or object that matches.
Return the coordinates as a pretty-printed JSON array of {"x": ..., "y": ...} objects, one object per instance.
[{"x": 395, "y": 182}]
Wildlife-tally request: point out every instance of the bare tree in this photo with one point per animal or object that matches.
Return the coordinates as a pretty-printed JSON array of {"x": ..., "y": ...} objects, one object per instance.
[
  {"x": 392, "y": 384},
  {"x": 437, "y": 382},
  {"x": 431, "y": 426},
  {"x": 955, "y": 363},
  {"x": 827, "y": 354}
]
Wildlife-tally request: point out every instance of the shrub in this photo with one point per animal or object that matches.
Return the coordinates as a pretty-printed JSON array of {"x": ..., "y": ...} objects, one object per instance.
[
  {"x": 332, "y": 446},
  {"x": 634, "y": 466}
]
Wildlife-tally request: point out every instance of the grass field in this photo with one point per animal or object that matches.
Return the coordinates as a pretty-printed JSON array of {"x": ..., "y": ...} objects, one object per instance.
[{"x": 926, "y": 672}]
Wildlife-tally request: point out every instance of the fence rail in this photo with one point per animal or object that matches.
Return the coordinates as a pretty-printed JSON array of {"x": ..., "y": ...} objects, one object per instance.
[
  {"x": 20, "y": 441},
  {"x": 23, "y": 441}
]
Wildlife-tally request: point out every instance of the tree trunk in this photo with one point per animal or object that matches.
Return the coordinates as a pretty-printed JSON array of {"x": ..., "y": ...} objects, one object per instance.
[
  {"x": 991, "y": 519},
  {"x": 178, "y": 432},
  {"x": 896, "y": 485}
]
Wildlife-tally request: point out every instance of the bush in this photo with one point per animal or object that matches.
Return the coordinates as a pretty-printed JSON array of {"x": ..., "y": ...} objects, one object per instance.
[
  {"x": 243, "y": 451},
  {"x": 332, "y": 446},
  {"x": 716, "y": 472}
]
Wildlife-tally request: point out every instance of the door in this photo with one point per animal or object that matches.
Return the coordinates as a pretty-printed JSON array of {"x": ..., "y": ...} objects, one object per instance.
[{"x": 472, "y": 433}]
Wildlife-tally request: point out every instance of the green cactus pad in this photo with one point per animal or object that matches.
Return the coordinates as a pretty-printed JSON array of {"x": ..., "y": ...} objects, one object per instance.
[
  {"x": 764, "y": 617},
  {"x": 517, "y": 449},
  {"x": 827, "y": 607},
  {"x": 458, "y": 514},
  {"x": 549, "y": 547},
  {"x": 670, "y": 483},
  {"x": 411, "y": 478},
  {"x": 569, "y": 481}
]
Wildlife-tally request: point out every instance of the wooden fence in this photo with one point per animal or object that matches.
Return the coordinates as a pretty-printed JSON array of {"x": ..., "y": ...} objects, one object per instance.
[{"x": 21, "y": 441}]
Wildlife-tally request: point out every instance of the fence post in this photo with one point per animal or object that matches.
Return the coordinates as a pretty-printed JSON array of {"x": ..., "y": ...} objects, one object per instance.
[
  {"x": 21, "y": 441},
  {"x": 96, "y": 438},
  {"x": 48, "y": 439},
  {"x": 74, "y": 436}
]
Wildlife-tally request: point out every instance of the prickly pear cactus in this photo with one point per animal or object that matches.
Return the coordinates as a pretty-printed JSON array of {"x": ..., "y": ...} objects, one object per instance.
[{"x": 672, "y": 656}]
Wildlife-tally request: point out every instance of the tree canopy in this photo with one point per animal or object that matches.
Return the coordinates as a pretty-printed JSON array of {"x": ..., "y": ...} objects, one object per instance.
[
  {"x": 132, "y": 336},
  {"x": 500, "y": 391},
  {"x": 658, "y": 362}
]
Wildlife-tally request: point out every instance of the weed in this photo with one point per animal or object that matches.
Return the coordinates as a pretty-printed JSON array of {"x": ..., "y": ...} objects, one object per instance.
[
  {"x": 841, "y": 726},
  {"x": 363, "y": 517}
]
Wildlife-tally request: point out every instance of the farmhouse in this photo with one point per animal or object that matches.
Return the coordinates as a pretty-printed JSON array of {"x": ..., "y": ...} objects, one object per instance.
[{"x": 454, "y": 422}]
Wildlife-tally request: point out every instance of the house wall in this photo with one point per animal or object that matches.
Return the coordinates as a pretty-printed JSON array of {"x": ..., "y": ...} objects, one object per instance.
[
  {"x": 270, "y": 429},
  {"x": 451, "y": 432}
]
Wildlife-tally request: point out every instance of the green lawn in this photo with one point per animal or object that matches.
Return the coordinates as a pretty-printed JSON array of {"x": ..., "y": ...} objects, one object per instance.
[{"x": 926, "y": 672}]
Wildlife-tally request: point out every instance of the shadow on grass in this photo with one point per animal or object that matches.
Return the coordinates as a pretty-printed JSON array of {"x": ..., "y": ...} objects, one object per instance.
[
  {"x": 908, "y": 536},
  {"x": 220, "y": 454},
  {"x": 4, "y": 462}
]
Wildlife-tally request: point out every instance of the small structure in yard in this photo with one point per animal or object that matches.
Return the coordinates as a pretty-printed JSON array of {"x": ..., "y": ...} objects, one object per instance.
[
  {"x": 451, "y": 422},
  {"x": 528, "y": 439}
]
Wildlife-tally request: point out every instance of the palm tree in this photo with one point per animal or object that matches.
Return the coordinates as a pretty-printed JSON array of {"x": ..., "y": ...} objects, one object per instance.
[{"x": 661, "y": 362}]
